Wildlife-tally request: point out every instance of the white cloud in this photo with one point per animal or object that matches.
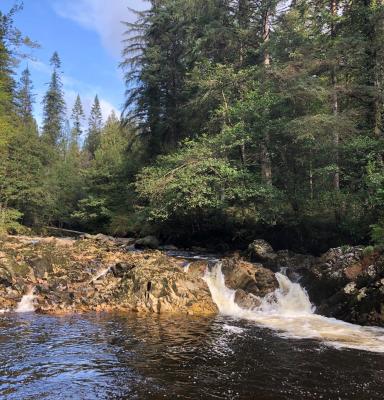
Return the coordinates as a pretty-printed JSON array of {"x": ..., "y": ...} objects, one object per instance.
[{"x": 102, "y": 16}]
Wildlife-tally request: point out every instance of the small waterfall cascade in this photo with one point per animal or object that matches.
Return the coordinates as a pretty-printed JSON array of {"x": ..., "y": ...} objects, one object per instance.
[
  {"x": 289, "y": 298},
  {"x": 289, "y": 312},
  {"x": 26, "y": 304}
]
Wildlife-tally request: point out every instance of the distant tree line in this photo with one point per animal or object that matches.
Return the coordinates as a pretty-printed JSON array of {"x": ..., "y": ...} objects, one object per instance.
[{"x": 242, "y": 118}]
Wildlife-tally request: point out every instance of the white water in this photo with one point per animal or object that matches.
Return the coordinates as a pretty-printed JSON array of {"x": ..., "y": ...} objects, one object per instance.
[
  {"x": 26, "y": 303},
  {"x": 289, "y": 312}
]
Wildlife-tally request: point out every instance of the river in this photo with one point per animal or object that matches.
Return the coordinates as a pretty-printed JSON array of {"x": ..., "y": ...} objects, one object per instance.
[{"x": 282, "y": 350}]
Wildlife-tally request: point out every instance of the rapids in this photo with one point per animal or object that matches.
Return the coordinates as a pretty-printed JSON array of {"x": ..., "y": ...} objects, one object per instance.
[{"x": 289, "y": 312}]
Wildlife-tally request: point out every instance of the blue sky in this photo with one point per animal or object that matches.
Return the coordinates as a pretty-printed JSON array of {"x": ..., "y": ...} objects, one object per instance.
[{"x": 87, "y": 35}]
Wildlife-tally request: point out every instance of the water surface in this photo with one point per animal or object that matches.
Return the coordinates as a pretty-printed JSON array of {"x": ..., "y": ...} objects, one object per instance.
[{"x": 115, "y": 356}]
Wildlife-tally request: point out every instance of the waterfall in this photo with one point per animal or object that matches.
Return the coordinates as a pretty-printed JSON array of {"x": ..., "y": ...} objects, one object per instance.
[
  {"x": 289, "y": 298},
  {"x": 289, "y": 312},
  {"x": 26, "y": 303}
]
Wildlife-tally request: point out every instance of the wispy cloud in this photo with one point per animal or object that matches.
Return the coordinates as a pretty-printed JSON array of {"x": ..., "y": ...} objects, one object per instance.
[{"x": 101, "y": 16}]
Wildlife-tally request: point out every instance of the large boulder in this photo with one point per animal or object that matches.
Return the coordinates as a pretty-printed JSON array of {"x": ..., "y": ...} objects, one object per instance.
[
  {"x": 251, "y": 281},
  {"x": 348, "y": 283}
]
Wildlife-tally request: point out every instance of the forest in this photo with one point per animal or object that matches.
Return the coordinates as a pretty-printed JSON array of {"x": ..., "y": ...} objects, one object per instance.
[{"x": 242, "y": 118}]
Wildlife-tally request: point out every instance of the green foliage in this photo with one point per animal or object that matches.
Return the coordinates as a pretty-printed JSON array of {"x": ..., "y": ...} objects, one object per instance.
[
  {"x": 10, "y": 221},
  {"x": 54, "y": 106},
  {"x": 94, "y": 128},
  {"x": 199, "y": 181}
]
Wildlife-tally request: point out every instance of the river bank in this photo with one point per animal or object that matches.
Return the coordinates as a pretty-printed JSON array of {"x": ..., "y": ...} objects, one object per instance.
[{"x": 100, "y": 273}]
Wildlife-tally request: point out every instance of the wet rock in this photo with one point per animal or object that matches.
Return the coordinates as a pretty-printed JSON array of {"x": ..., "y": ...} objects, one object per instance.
[
  {"x": 197, "y": 268},
  {"x": 246, "y": 300},
  {"x": 346, "y": 283},
  {"x": 251, "y": 278},
  {"x": 148, "y": 242}
]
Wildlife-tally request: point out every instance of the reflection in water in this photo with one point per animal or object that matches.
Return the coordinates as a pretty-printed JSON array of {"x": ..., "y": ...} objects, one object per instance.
[
  {"x": 115, "y": 356},
  {"x": 289, "y": 311}
]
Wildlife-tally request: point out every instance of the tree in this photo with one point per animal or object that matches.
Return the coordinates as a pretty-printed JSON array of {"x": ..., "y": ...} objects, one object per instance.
[
  {"x": 77, "y": 118},
  {"x": 54, "y": 106},
  {"x": 25, "y": 97},
  {"x": 95, "y": 124}
]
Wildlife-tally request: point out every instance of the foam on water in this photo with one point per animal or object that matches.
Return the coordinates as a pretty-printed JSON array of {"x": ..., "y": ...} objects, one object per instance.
[
  {"x": 26, "y": 303},
  {"x": 289, "y": 311}
]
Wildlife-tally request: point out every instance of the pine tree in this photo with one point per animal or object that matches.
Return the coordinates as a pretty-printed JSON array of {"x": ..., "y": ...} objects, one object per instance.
[
  {"x": 95, "y": 124},
  {"x": 25, "y": 97},
  {"x": 54, "y": 106},
  {"x": 77, "y": 118}
]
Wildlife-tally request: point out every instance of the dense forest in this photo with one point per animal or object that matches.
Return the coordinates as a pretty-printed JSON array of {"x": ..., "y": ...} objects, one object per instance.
[{"x": 243, "y": 118}]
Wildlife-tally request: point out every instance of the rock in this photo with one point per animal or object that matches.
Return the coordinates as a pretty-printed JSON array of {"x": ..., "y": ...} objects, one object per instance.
[
  {"x": 41, "y": 266},
  {"x": 99, "y": 275},
  {"x": 346, "y": 283},
  {"x": 125, "y": 241},
  {"x": 104, "y": 238},
  {"x": 121, "y": 268},
  {"x": 197, "y": 268},
  {"x": 246, "y": 300},
  {"x": 261, "y": 250},
  {"x": 251, "y": 278},
  {"x": 147, "y": 242},
  {"x": 169, "y": 247},
  {"x": 5, "y": 277}
]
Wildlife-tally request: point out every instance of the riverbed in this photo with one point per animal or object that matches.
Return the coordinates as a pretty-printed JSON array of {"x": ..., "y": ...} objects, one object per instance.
[{"x": 127, "y": 356}]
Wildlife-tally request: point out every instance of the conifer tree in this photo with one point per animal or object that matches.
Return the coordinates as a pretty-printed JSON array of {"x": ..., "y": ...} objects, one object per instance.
[
  {"x": 77, "y": 119},
  {"x": 95, "y": 124},
  {"x": 54, "y": 105},
  {"x": 25, "y": 97}
]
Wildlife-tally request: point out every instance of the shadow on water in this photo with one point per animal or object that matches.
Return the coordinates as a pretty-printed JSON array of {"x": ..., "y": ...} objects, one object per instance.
[{"x": 115, "y": 356}]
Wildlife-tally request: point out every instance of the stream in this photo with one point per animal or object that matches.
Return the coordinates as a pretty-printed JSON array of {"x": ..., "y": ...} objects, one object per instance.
[{"x": 279, "y": 350}]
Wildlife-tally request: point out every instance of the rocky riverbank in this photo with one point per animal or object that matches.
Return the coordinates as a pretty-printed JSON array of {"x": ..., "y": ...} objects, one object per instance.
[
  {"x": 102, "y": 273},
  {"x": 346, "y": 283}
]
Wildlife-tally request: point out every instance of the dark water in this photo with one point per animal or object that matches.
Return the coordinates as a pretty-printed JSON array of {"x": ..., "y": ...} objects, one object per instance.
[{"x": 109, "y": 356}]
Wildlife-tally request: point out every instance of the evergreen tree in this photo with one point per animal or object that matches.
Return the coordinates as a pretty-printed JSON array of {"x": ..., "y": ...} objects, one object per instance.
[
  {"x": 54, "y": 106},
  {"x": 25, "y": 97},
  {"x": 95, "y": 124},
  {"x": 77, "y": 118}
]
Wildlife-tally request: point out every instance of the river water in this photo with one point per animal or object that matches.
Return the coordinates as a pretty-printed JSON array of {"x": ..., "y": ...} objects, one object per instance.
[{"x": 282, "y": 350}]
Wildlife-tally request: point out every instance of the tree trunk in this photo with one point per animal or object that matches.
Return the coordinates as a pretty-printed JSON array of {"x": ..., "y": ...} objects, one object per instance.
[
  {"x": 266, "y": 34},
  {"x": 266, "y": 165},
  {"x": 335, "y": 103},
  {"x": 378, "y": 70},
  {"x": 265, "y": 157}
]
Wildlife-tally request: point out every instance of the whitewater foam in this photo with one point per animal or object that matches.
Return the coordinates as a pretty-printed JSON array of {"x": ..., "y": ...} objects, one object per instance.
[
  {"x": 26, "y": 303},
  {"x": 289, "y": 312}
]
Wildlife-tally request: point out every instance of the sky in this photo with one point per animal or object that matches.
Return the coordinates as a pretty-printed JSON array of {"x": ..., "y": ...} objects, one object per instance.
[{"x": 87, "y": 34}]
